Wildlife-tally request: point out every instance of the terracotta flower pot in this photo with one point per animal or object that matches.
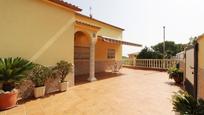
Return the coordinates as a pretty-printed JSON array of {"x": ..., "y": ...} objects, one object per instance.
[
  {"x": 39, "y": 91},
  {"x": 63, "y": 86},
  {"x": 8, "y": 100}
]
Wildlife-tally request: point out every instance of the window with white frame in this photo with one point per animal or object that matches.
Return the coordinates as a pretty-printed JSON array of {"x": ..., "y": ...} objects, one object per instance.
[
  {"x": 111, "y": 54},
  {"x": 81, "y": 52}
]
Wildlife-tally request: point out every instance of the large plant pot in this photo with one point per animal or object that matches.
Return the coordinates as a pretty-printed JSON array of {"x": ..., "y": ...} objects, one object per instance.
[
  {"x": 178, "y": 78},
  {"x": 39, "y": 91},
  {"x": 8, "y": 100},
  {"x": 64, "y": 86}
]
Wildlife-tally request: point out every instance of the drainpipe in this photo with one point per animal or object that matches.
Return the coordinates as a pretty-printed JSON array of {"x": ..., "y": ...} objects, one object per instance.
[{"x": 196, "y": 49}]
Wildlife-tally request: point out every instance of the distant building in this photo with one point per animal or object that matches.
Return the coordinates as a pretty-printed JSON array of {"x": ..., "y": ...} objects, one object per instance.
[
  {"x": 133, "y": 55},
  {"x": 180, "y": 55}
]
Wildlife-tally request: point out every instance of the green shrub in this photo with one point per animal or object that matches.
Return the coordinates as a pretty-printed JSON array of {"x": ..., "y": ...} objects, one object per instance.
[
  {"x": 185, "y": 104},
  {"x": 174, "y": 71},
  {"x": 62, "y": 69},
  {"x": 13, "y": 71},
  {"x": 39, "y": 75}
]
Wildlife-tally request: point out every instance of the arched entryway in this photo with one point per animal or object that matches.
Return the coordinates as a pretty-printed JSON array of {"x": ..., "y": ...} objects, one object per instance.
[{"x": 81, "y": 55}]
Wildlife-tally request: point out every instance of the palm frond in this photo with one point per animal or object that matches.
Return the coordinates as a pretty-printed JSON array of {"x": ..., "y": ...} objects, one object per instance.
[{"x": 12, "y": 70}]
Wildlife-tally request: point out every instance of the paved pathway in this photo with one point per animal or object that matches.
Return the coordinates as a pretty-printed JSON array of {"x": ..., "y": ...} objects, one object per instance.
[{"x": 136, "y": 92}]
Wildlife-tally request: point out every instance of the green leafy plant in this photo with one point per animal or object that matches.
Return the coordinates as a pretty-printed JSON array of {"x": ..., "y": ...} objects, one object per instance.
[
  {"x": 39, "y": 75},
  {"x": 13, "y": 71},
  {"x": 185, "y": 104},
  {"x": 173, "y": 71},
  {"x": 62, "y": 69}
]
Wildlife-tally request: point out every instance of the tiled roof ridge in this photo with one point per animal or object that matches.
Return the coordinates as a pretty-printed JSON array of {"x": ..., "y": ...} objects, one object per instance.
[{"x": 66, "y": 4}]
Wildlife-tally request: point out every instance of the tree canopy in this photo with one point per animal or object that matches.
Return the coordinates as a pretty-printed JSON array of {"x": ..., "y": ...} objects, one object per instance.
[
  {"x": 148, "y": 53},
  {"x": 156, "y": 51}
]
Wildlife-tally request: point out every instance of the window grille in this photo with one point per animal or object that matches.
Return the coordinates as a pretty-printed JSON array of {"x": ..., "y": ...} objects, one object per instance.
[{"x": 111, "y": 54}]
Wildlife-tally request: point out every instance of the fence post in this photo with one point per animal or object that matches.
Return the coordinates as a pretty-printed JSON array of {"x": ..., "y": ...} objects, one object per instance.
[
  {"x": 134, "y": 62},
  {"x": 163, "y": 63}
]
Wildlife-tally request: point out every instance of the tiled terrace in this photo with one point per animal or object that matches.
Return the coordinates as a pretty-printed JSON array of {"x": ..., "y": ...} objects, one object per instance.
[{"x": 135, "y": 92}]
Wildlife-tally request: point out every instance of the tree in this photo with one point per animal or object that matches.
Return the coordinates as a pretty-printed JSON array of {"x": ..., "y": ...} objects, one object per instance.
[
  {"x": 192, "y": 40},
  {"x": 156, "y": 51},
  {"x": 148, "y": 53},
  {"x": 171, "y": 48}
]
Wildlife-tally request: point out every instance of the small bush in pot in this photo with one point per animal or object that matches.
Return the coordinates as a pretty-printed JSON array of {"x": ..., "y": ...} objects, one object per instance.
[
  {"x": 38, "y": 76},
  {"x": 185, "y": 104},
  {"x": 176, "y": 74},
  {"x": 12, "y": 72},
  {"x": 62, "y": 69}
]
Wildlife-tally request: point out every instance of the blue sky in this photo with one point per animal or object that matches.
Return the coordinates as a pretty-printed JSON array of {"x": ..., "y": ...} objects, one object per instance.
[{"x": 143, "y": 19}]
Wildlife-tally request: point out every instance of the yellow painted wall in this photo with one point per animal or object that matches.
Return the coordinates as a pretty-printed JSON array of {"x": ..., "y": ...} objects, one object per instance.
[
  {"x": 105, "y": 29},
  {"x": 201, "y": 52},
  {"x": 43, "y": 32},
  {"x": 36, "y": 28},
  {"x": 101, "y": 47},
  {"x": 201, "y": 68},
  {"x": 102, "y": 50}
]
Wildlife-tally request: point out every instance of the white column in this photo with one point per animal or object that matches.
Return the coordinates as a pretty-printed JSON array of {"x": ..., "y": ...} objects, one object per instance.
[
  {"x": 92, "y": 58},
  {"x": 134, "y": 61}
]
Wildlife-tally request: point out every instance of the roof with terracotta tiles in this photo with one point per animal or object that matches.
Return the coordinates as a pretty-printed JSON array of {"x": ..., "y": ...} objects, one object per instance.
[
  {"x": 65, "y": 4},
  {"x": 79, "y": 14},
  {"x": 76, "y": 8},
  {"x": 86, "y": 24}
]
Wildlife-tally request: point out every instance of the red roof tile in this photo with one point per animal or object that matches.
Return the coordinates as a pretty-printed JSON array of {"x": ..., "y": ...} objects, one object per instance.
[
  {"x": 83, "y": 23},
  {"x": 65, "y": 4},
  {"x": 99, "y": 21}
]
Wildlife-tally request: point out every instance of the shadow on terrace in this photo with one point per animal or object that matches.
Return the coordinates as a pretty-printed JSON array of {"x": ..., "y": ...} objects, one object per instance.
[{"x": 82, "y": 79}]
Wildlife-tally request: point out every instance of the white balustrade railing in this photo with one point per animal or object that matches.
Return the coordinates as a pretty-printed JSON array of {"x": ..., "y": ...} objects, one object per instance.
[{"x": 151, "y": 63}]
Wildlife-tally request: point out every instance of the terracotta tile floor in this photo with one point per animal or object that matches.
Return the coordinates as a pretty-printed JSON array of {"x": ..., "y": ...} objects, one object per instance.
[{"x": 136, "y": 92}]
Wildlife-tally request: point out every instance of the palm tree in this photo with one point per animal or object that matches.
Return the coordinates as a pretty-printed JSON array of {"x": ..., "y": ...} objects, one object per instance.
[{"x": 13, "y": 71}]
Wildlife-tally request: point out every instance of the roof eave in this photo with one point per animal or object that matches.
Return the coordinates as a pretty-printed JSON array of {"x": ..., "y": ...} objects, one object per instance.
[
  {"x": 79, "y": 14},
  {"x": 199, "y": 37},
  {"x": 67, "y": 5}
]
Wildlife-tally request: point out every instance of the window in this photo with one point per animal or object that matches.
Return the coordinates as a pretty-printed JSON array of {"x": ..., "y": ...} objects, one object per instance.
[
  {"x": 111, "y": 54},
  {"x": 81, "y": 52}
]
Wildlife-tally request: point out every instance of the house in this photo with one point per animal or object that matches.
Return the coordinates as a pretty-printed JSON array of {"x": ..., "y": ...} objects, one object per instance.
[
  {"x": 47, "y": 31},
  {"x": 133, "y": 55},
  {"x": 180, "y": 55}
]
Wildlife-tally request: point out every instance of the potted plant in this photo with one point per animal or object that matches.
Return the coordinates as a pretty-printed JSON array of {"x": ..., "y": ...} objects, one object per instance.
[
  {"x": 185, "y": 104},
  {"x": 12, "y": 72},
  {"x": 62, "y": 69},
  {"x": 38, "y": 76},
  {"x": 176, "y": 74}
]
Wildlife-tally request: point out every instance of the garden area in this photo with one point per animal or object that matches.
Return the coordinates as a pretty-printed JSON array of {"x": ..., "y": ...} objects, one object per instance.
[{"x": 31, "y": 80}]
